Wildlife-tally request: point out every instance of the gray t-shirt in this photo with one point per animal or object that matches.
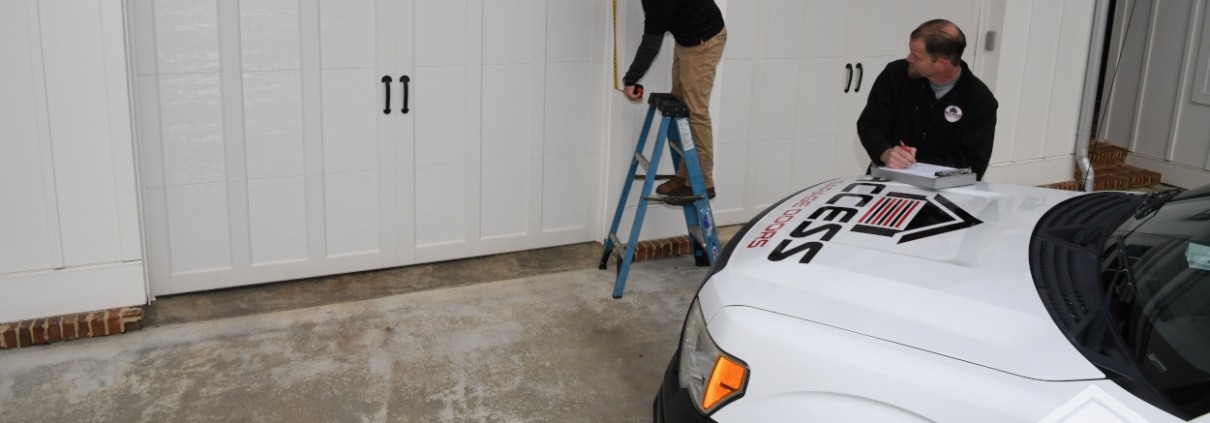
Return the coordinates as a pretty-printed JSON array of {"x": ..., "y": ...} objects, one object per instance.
[{"x": 940, "y": 90}]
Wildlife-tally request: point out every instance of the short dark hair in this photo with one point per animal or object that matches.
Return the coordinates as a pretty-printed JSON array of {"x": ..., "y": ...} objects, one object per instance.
[{"x": 942, "y": 40}]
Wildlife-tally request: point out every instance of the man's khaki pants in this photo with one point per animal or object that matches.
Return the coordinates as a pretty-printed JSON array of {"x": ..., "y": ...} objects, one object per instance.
[{"x": 693, "y": 70}]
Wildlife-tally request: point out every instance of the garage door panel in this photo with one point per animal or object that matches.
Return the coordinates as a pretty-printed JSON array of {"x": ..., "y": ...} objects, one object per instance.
[
  {"x": 440, "y": 94},
  {"x": 506, "y": 198},
  {"x": 277, "y": 220},
  {"x": 351, "y": 208},
  {"x": 565, "y": 198},
  {"x": 198, "y": 224},
  {"x": 269, "y": 34},
  {"x": 273, "y": 124},
  {"x": 440, "y": 205},
  {"x": 347, "y": 33},
  {"x": 191, "y": 116},
  {"x": 186, "y": 33},
  {"x": 350, "y": 132}
]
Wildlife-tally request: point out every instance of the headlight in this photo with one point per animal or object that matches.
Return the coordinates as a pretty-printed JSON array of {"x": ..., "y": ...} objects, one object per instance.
[{"x": 711, "y": 376}]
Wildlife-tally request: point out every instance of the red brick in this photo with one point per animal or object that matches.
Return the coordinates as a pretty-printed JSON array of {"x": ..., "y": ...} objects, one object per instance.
[
  {"x": 54, "y": 330},
  {"x": 24, "y": 337},
  {"x": 37, "y": 331},
  {"x": 96, "y": 324},
  {"x": 132, "y": 312},
  {"x": 82, "y": 326},
  {"x": 83, "y": 329},
  {"x": 113, "y": 323},
  {"x": 69, "y": 328},
  {"x": 8, "y": 335},
  {"x": 132, "y": 325}
]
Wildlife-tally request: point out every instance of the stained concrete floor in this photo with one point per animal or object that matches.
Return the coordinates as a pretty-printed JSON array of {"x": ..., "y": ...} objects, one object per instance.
[{"x": 532, "y": 336}]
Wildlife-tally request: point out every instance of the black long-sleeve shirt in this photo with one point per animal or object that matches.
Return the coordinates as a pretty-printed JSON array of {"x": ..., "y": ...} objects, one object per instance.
[
  {"x": 690, "y": 21},
  {"x": 956, "y": 130}
]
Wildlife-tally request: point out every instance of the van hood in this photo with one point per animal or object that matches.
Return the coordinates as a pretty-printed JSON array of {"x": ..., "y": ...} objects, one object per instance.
[{"x": 943, "y": 271}]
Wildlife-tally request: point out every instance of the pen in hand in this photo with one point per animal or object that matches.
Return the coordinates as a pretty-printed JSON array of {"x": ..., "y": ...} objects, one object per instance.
[
  {"x": 899, "y": 157},
  {"x": 910, "y": 157}
]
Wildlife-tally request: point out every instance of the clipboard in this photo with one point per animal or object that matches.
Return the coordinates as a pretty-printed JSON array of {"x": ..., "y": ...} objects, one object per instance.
[{"x": 926, "y": 175}]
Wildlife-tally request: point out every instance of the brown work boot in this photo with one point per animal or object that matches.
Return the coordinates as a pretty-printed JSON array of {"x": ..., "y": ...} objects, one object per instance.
[
  {"x": 673, "y": 184},
  {"x": 683, "y": 196},
  {"x": 687, "y": 191}
]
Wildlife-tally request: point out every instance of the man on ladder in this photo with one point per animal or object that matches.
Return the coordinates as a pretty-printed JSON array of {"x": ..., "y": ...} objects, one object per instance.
[{"x": 697, "y": 26}]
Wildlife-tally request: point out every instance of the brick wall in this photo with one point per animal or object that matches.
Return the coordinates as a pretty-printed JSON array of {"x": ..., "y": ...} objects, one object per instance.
[{"x": 74, "y": 326}]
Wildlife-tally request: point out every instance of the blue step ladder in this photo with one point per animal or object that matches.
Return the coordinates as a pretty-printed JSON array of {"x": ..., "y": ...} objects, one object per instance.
[{"x": 699, "y": 219}]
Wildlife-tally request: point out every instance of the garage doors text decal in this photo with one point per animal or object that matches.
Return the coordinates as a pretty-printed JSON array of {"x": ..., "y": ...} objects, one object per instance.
[{"x": 905, "y": 216}]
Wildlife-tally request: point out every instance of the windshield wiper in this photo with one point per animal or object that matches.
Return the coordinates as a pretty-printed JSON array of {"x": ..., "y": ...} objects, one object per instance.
[{"x": 1152, "y": 202}]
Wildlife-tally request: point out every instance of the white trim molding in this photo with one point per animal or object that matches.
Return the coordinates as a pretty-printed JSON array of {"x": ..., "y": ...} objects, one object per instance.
[
  {"x": 73, "y": 290},
  {"x": 1033, "y": 172},
  {"x": 1175, "y": 174}
]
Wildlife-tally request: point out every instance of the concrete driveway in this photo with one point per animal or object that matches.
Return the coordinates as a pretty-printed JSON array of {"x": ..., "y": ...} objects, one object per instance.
[{"x": 548, "y": 348}]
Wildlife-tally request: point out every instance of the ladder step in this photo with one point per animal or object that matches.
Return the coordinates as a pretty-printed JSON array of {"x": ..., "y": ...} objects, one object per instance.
[
  {"x": 668, "y": 104},
  {"x": 646, "y": 164},
  {"x": 677, "y": 147},
  {"x": 672, "y": 200},
  {"x": 657, "y": 177}
]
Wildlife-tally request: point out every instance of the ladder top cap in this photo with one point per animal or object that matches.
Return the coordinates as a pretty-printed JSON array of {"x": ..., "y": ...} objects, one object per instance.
[{"x": 668, "y": 104}]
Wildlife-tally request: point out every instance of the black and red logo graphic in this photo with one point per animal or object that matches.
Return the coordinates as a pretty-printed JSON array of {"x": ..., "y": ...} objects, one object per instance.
[
  {"x": 914, "y": 216},
  {"x": 864, "y": 206}
]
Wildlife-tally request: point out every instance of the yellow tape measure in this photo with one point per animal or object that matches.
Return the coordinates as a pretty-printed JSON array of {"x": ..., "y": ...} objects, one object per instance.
[{"x": 616, "y": 85}]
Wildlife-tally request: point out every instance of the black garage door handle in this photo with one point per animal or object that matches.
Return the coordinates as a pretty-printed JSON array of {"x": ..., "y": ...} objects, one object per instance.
[{"x": 386, "y": 82}]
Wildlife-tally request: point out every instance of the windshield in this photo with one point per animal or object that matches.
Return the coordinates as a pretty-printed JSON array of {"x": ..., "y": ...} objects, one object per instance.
[{"x": 1156, "y": 270}]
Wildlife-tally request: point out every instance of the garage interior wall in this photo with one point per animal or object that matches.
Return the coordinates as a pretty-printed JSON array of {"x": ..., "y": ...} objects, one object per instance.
[{"x": 515, "y": 139}]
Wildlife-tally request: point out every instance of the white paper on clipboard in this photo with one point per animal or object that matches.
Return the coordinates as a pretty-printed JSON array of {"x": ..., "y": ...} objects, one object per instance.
[{"x": 927, "y": 175}]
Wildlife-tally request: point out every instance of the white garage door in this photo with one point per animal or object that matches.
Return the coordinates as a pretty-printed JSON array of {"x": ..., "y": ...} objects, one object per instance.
[{"x": 267, "y": 152}]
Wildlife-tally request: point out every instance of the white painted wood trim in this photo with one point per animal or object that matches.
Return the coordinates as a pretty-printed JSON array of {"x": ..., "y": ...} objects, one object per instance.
[
  {"x": 1175, "y": 174},
  {"x": 1033, "y": 172},
  {"x": 232, "y": 79},
  {"x": 75, "y": 290},
  {"x": 121, "y": 132},
  {"x": 42, "y": 111},
  {"x": 1200, "y": 90}
]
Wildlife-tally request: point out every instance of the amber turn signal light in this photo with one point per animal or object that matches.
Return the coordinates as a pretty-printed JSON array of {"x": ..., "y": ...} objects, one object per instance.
[{"x": 726, "y": 380}]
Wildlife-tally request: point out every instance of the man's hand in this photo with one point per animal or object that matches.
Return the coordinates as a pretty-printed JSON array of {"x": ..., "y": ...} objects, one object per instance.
[
  {"x": 899, "y": 157},
  {"x": 632, "y": 93}
]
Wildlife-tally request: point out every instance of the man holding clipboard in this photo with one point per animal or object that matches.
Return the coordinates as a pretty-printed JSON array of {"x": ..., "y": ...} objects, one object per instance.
[{"x": 930, "y": 107}]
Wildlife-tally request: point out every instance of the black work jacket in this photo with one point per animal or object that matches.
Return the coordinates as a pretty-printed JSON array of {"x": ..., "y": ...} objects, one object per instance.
[{"x": 956, "y": 130}]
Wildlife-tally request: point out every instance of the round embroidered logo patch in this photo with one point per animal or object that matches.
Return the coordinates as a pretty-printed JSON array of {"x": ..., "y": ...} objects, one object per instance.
[{"x": 953, "y": 113}]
